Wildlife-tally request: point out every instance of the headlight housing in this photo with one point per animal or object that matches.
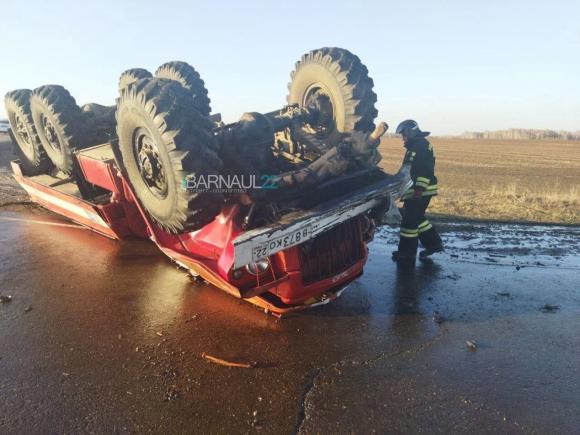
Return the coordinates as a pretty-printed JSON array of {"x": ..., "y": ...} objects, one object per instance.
[{"x": 259, "y": 267}]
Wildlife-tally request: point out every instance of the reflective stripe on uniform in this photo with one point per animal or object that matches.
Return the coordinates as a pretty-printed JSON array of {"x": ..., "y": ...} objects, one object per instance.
[
  {"x": 422, "y": 182},
  {"x": 409, "y": 232},
  {"x": 424, "y": 226}
]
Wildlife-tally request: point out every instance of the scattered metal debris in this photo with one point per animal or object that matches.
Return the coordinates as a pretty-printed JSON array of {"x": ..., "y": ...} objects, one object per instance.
[
  {"x": 255, "y": 420},
  {"x": 5, "y": 299},
  {"x": 172, "y": 393},
  {"x": 28, "y": 309},
  {"x": 223, "y": 362},
  {"x": 471, "y": 345},
  {"x": 549, "y": 308}
]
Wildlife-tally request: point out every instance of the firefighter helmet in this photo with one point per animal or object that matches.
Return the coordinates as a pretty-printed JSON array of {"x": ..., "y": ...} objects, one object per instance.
[{"x": 410, "y": 128}]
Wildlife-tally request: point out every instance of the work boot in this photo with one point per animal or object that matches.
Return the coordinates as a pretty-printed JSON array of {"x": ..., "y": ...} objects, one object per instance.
[
  {"x": 427, "y": 252},
  {"x": 403, "y": 256},
  {"x": 407, "y": 249}
]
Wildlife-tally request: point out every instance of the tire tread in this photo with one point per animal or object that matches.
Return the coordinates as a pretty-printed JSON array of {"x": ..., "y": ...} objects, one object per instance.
[{"x": 191, "y": 147}]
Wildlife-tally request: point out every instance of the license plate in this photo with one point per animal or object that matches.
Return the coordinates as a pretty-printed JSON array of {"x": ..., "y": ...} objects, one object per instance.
[{"x": 280, "y": 243}]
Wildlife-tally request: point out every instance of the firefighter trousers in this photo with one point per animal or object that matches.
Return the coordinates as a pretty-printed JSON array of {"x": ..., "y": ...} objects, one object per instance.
[{"x": 416, "y": 227}]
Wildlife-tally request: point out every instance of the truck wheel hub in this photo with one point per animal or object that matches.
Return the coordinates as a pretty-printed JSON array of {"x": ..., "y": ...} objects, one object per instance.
[
  {"x": 318, "y": 100},
  {"x": 50, "y": 133},
  {"x": 150, "y": 165},
  {"x": 22, "y": 132}
]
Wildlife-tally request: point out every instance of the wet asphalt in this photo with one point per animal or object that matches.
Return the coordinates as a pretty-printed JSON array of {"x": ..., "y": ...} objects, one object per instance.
[{"x": 104, "y": 336}]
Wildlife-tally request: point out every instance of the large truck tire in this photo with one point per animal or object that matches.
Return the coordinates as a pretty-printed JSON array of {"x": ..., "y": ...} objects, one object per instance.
[
  {"x": 334, "y": 81},
  {"x": 162, "y": 140},
  {"x": 190, "y": 79},
  {"x": 28, "y": 146},
  {"x": 131, "y": 76},
  {"x": 59, "y": 123}
]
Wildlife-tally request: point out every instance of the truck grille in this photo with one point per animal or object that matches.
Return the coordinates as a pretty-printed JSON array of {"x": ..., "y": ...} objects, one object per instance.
[{"x": 331, "y": 252}]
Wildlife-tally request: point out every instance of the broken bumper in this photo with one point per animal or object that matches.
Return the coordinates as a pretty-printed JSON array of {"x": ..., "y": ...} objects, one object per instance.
[{"x": 299, "y": 227}]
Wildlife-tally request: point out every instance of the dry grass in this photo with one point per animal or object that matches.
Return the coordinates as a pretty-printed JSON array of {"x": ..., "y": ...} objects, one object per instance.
[{"x": 535, "y": 181}]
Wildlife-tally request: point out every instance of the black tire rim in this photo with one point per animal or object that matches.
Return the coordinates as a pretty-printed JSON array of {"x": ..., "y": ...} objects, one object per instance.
[
  {"x": 22, "y": 133},
  {"x": 149, "y": 162},
  {"x": 318, "y": 99},
  {"x": 50, "y": 133}
]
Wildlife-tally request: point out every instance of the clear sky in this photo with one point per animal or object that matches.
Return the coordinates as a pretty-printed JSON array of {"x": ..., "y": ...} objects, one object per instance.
[{"x": 451, "y": 65}]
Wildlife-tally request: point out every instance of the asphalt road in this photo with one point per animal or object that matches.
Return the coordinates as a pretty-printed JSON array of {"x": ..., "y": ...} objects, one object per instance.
[{"x": 106, "y": 337}]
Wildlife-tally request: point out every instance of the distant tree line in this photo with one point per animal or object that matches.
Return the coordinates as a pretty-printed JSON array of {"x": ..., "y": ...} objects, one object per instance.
[{"x": 522, "y": 133}]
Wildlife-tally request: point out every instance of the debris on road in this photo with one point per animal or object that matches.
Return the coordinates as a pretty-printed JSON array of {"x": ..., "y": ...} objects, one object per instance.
[
  {"x": 28, "y": 309},
  {"x": 504, "y": 294},
  {"x": 471, "y": 345},
  {"x": 437, "y": 318},
  {"x": 549, "y": 308},
  {"x": 223, "y": 362},
  {"x": 5, "y": 299},
  {"x": 172, "y": 393},
  {"x": 255, "y": 420}
]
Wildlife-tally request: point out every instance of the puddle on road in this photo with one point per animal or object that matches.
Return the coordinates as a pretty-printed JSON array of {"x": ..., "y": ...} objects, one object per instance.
[{"x": 503, "y": 244}]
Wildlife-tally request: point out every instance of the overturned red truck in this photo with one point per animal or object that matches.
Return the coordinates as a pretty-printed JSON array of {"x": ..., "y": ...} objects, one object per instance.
[{"x": 277, "y": 208}]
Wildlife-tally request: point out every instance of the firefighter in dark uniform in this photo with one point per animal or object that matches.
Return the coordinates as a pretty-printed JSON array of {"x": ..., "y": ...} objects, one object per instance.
[{"x": 415, "y": 227}]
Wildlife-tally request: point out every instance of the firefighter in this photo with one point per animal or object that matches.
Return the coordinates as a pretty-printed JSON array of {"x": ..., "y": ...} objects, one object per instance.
[{"x": 415, "y": 226}]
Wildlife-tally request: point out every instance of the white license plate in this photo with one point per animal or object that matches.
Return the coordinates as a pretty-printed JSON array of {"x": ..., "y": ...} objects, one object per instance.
[{"x": 280, "y": 243}]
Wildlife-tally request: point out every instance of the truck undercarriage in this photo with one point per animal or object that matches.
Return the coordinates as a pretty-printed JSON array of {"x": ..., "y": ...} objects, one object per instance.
[{"x": 154, "y": 166}]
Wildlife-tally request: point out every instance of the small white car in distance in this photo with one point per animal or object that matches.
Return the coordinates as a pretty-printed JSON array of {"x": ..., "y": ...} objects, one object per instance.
[{"x": 4, "y": 126}]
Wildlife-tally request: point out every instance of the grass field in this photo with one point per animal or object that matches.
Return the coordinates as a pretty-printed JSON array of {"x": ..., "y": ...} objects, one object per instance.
[{"x": 537, "y": 181}]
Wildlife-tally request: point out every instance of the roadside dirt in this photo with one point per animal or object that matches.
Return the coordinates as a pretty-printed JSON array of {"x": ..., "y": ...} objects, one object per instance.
[{"x": 10, "y": 192}]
